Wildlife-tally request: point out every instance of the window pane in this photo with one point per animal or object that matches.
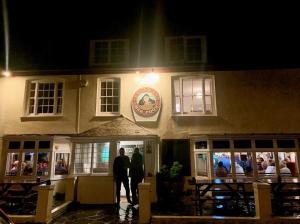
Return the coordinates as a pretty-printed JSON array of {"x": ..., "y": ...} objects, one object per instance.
[
  {"x": 286, "y": 143},
  {"x": 208, "y": 87},
  {"x": 177, "y": 105},
  {"x": 197, "y": 104},
  {"x": 176, "y": 86},
  {"x": 208, "y": 104},
  {"x": 201, "y": 145},
  {"x": 288, "y": 164},
  {"x": 12, "y": 164},
  {"x": 264, "y": 143},
  {"x": 115, "y": 108},
  {"x": 242, "y": 144},
  {"x": 44, "y": 144},
  {"x": 187, "y": 104},
  {"x": 101, "y": 158},
  {"x": 14, "y": 145},
  {"x": 62, "y": 163},
  {"x": 187, "y": 87},
  {"x": 43, "y": 164},
  {"x": 222, "y": 164},
  {"x": 29, "y": 144},
  {"x": 243, "y": 164},
  {"x": 202, "y": 164},
  {"x": 197, "y": 87},
  {"x": 265, "y": 163},
  {"x": 83, "y": 157},
  {"x": 193, "y": 49},
  {"x": 27, "y": 164},
  {"x": 221, "y": 144}
]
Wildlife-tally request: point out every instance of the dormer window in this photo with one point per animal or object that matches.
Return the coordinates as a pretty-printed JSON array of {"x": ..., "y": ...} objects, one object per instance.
[
  {"x": 109, "y": 52},
  {"x": 185, "y": 50}
]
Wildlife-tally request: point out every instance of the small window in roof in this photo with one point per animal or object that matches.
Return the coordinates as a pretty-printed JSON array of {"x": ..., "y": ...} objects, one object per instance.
[
  {"x": 264, "y": 143},
  {"x": 286, "y": 143},
  {"x": 242, "y": 144},
  {"x": 221, "y": 144}
]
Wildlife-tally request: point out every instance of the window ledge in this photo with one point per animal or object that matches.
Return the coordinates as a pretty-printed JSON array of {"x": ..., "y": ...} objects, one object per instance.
[
  {"x": 41, "y": 118},
  {"x": 194, "y": 115},
  {"x": 107, "y": 115}
]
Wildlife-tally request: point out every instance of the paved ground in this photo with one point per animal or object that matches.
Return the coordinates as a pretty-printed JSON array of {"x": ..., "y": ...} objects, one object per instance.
[{"x": 99, "y": 214}]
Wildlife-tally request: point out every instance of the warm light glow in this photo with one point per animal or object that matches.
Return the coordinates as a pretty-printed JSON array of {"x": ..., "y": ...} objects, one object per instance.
[
  {"x": 149, "y": 79},
  {"x": 6, "y": 73}
]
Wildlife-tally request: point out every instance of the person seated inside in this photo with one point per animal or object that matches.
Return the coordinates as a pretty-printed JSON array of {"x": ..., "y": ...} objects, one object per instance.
[
  {"x": 60, "y": 167},
  {"x": 221, "y": 171},
  {"x": 284, "y": 169},
  {"x": 27, "y": 171},
  {"x": 239, "y": 169},
  {"x": 271, "y": 169}
]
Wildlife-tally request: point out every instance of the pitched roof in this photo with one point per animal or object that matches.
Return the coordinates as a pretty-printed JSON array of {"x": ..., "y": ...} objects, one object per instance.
[{"x": 120, "y": 126}]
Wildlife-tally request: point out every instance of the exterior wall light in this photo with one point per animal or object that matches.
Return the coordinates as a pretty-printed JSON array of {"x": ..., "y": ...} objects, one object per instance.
[{"x": 6, "y": 73}]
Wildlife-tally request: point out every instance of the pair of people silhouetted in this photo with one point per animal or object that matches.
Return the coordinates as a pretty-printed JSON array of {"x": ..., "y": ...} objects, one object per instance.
[{"x": 136, "y": 172}]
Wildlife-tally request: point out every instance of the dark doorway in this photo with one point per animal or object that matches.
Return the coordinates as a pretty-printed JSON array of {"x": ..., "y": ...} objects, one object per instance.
[{"x": 177, "y": 150}]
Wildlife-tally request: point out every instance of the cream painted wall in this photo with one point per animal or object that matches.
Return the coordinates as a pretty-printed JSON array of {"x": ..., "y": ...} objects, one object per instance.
[
  {"x": 95, "y": 190},
  {"x": 264, "y": 101},
  {"x": 13, "y": 109},
  {"x": 259, "y": 101}
]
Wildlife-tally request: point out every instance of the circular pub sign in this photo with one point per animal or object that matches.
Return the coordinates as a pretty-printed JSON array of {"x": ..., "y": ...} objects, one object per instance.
[{"x": 146, "y": 102}]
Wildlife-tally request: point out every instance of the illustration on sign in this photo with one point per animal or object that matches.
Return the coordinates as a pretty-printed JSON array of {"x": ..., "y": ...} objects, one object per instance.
[{"x": 146, "y": 102}]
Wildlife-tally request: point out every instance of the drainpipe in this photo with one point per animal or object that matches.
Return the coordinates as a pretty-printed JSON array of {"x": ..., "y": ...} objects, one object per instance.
[{"x": 78, "y": 105}]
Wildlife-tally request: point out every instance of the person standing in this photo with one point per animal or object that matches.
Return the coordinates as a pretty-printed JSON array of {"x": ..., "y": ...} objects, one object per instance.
[
  {"x": 120, "y": 166},
  {"x": 136, "y": 172}
]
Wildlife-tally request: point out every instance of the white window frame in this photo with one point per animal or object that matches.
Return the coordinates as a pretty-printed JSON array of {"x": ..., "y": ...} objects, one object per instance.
[
  {"x": 204, "y": 112},
  {"x": 91, "y": 160},
  {"x": 109, "y": 62},
  {"x": 98, "y": 98},
  {"x": 253, "y": 150},
  {"x": 35, "y": 113},
  {"x": 185, "y": 50}
]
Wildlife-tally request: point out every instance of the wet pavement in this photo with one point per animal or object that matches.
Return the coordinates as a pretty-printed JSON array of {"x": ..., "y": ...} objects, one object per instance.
[{"x": 89, "y": 214}]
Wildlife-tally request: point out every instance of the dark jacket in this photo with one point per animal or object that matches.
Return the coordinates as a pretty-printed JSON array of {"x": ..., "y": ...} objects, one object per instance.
[
  {"x": 136, "y": 167},
  {"x": 121, "y": 164}
]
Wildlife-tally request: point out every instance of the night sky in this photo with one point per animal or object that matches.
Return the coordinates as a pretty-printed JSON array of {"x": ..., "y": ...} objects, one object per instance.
[{"x": 55, "y": 34}]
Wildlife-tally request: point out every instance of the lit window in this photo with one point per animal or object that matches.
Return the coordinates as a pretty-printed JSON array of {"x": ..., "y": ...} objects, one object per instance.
[
  {"x": 186, "y": 49},
  {"x": 61, "y": 163},
  {"x": 108, "y": 97},
  {"x": 266, "y": 165},
  {"x": 194, "y": 95},
  {"x": 109, "y": 52},
  {"x": 45, "y": 98},
  {"x": 243, "y": 164},
  {"x": 91, "y": 158},
  {"x": 222, "y": 164},
  {"x": 288, "y": 164}
]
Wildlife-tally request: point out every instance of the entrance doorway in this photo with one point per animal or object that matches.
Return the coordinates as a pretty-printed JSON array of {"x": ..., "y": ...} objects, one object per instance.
[{"x": 129, "y": 147}]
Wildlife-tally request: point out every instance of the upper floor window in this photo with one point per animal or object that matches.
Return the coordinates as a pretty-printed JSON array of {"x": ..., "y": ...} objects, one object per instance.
[
  {"x": 108, "y": 97},
  {"x": 45, "y": 97},
  {"x": 194, "y": 95},
  {"x": 185, "y": 50},
  {"x": 109, "y": 52}
]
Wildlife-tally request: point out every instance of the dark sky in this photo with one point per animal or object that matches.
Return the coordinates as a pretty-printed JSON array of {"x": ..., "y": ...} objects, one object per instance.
[{"x": 55, "y": 34}]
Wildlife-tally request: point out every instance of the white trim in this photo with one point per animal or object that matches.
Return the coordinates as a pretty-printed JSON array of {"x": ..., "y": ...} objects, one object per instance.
[
  {"x": 55, "y": 98},
  {"x": 203, "y": 77},
  {"x": 99, "y": 113}
]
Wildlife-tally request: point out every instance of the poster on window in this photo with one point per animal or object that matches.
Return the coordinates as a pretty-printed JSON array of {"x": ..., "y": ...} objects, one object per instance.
[{"x": 146, "y": 104}]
